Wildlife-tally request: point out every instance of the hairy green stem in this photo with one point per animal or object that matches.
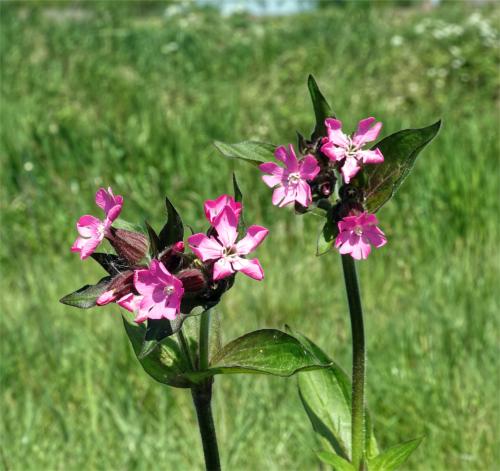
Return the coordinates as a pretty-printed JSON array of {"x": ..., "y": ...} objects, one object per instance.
[
  {"x": 358, "y": 362},
  {"x": 204, "y": 340},
  {"x": 202, "y": 396}
]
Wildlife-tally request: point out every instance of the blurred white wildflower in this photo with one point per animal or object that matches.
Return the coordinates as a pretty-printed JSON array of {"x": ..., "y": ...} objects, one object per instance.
[
  {"x": 74, "y": 187},
  {"x": 28, "y": 166},
  {"x": 396, "y": 41},
  {"x": 457, "y": 63}
]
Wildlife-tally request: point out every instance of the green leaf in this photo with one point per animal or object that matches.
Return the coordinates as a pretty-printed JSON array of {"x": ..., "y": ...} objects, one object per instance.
[
  {"x": 154, "y": 240},
  {"x": 394, "y": 457},
  {"x": 326, "y": 397},
  {"x": 326, "y": 237},
  {"x": 173, "y": 230},
  {"x": 321, "y": 107},
  {"x": 110, "y": 262},
  {"x": 159, "y": 329},
  {"x": 266, "y": 351},
  {"x": 238, "y": 195},
  {"x": 400, "y": 151},
  {"x": 337, "y": 462},
  {"x": 252, "y": 152},
  {"x": 165, "y": 364},
  {"x": 87, "y": 295}
]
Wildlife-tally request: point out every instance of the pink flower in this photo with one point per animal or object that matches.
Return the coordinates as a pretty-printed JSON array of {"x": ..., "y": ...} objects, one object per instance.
[
  {"x": 224, "y": 249},
  {"x": 160, "y": 292},
  {"x": 214, "y": 207},
  {"x": 291, "y": 181},
  {"x": 356, "y": 233},
  {"x": 92, "y": 230},
  {"x": 340, "y": 147},
  {"x": 131, "y": 302}
]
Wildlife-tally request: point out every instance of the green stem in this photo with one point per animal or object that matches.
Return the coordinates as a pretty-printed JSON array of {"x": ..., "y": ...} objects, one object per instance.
[
  {"x": 202, "y": 396},
  {"x": 204, "y": 340},
  {"x": 358, "y": 362}
]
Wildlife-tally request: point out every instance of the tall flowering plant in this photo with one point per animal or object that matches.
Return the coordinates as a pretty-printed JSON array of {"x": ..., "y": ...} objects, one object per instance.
[
  {"x": 346, "y": 178},
  {"x": 168, "y": 287}
]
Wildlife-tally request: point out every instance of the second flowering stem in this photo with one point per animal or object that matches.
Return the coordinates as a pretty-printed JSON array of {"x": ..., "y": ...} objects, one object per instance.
[{"x": 358, "y": 362}]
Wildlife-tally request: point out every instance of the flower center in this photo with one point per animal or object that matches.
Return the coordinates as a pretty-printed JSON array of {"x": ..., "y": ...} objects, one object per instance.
[
  {"x": 293, "y": 178},
  {"x": 358, "y": 230},
  {"x": 168, "y": 290},
  {"x": 229, "y": 252}
]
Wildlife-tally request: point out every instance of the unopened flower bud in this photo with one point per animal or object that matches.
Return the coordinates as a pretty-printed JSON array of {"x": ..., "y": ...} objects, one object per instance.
[
  {"x": 193, "y": 280},
  {"x": 131, "y": 246},
  {"x": 171, "y": 257},
  {"x": 120, "y": 285}
]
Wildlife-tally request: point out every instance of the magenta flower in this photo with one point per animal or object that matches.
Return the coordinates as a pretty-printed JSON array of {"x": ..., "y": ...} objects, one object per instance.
[
  {"x": 290, "y": 183},
  {"x": 160, "y": 291},
  {"x": 132, "y": 302},
  {"x": 214, "y": 207},
  {"x": 92, "y": 230},
  {"x": 225, "y": 251},
  {"x": 342, "y": 148},
  {"x": 356, "y": 233}
]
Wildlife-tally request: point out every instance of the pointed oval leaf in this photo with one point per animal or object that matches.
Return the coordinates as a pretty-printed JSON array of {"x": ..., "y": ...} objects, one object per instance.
[
  {"x": 394, "y": 457},
  {"x": 321, "y": 107},
  {"x": 173, "y": 230},
  {"x": 338, "y": 463},
  {"x": 86, "y": 296},
  {"x": 252, "y": 152},
  {"x": 400, "y": 150},
  {"x": 266, "y": 351},
  {"x": 154, "y": 240},
  {"x": 165, "y": 364},
  {"x": 326, "y": 397},
  {"x": 159, "y": 329}
]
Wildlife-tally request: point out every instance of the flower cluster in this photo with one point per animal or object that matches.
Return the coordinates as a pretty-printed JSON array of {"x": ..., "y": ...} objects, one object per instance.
[
  {"x": 172, "y": 281},
  {"x": 313, "y": 177}
]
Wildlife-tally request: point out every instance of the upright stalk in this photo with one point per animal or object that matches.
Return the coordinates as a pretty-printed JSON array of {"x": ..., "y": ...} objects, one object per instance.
[
  {"x": 358, "y": 362},
  {"x": 202, "y": 397}
]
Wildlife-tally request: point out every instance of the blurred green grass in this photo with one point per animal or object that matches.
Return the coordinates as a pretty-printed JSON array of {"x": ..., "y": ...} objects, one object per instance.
[{"x": 98, "y": 95}]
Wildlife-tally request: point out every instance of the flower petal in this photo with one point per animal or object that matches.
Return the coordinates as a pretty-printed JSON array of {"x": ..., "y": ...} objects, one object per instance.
[
  {"x": 205, "y": 248},
  {"x": 278, "y": 195},
  {"x": 251, "y": 268},
  {"x": 222, "y": 269},
  {"x": 107, "y": 201},
  {"x": 365, "y": 132},
  {"x": 226, "y": 225},
  {"x": 254, "y": 237},
  {"x": 87, "y": 226},
  {"x": 371, "y": 156},
  {"x": 350, "y": 169},
  {"x": 214, "y": 207},
  {"x": 275, "y": 171},
  {"x": 145, "y": 283},
  {"x": 333, "y": 152},
  {"x": 309, "y": 167},
  {"x": 291, "y": 162},
  {"x": 303, "y": 193},
  {"x": 335, "y": 134}
]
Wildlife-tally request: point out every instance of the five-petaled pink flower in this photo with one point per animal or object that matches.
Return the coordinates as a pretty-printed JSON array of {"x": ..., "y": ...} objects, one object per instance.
[
  {"x": 214, "y": 207},
  {"x": 161, "y": 293},
  {"x": 349, "y": 150},
  {"x": 291, "y": 181},
  {"x": 225, "y": 251},
  {"x": 357, "y": 232},
  {"x": 92, "y": 230}
]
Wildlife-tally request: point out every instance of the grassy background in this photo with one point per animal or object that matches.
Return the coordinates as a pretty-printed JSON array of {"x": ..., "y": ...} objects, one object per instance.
[{"x": 100, "y": 95}]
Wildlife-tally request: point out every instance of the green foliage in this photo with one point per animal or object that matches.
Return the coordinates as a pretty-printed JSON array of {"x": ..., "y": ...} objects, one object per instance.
[
  {"x": 86, "y": 296},
  {"x": 165, "y": 364},
  {"x": 392, "y": 458},
  {"x": 267, "y": 351},
  {"x": 400, "y": 151},
  {"x": 321, "y": 107},
  {"x": 337, "y": 462},
  {"x": 326, "y": 397},
  {"x": 173, "y": 230},
  {"x": 251, "y": 152}
]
